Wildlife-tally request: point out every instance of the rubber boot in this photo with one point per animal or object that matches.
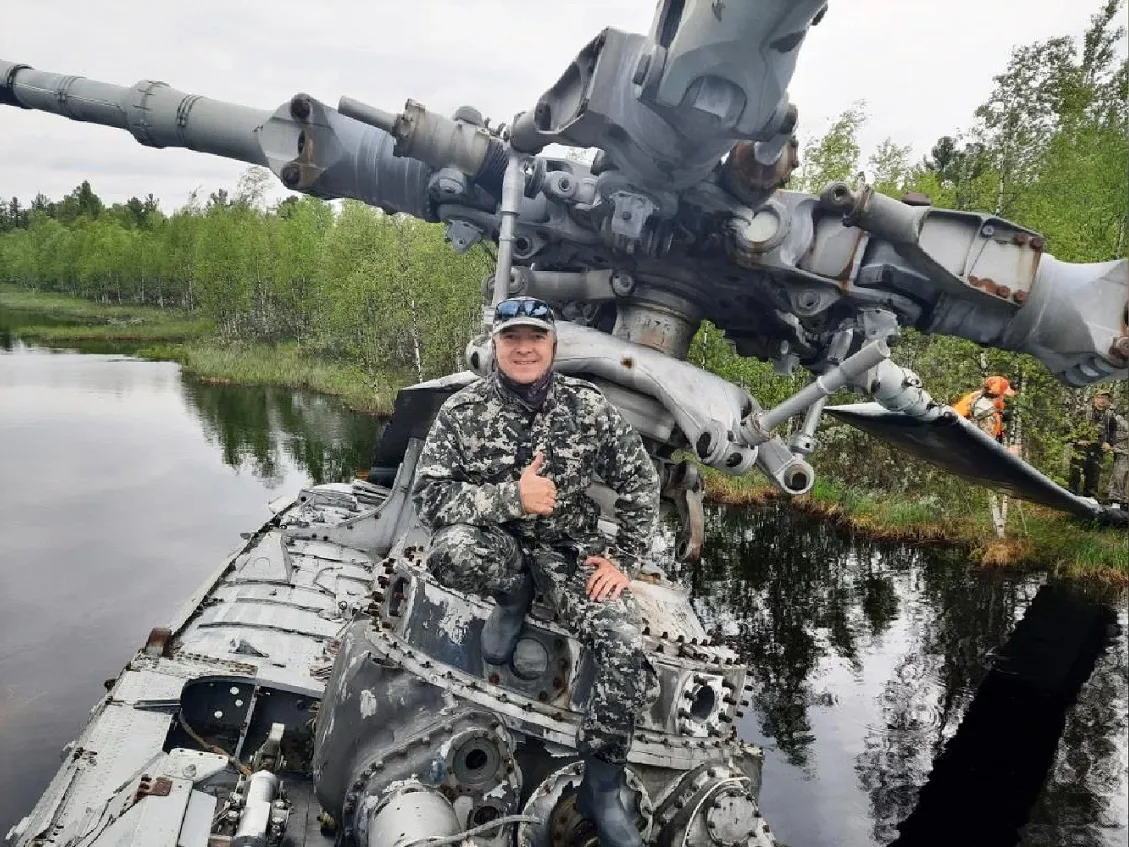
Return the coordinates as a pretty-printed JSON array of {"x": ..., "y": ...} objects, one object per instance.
[
  {"x": 502, "y": 628},
  {"x": 598, "y": 801}
]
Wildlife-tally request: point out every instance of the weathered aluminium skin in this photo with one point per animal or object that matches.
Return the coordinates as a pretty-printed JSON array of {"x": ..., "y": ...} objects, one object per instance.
[{"x": 321, "y": 688}]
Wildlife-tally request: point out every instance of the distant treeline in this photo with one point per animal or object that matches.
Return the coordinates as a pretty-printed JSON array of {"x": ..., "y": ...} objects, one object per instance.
[
  {"x": 382, "y": 290},
  {"x": 1048, "y": 149}
]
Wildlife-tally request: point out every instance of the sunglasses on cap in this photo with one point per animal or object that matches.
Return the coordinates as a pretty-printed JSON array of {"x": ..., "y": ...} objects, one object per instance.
[{"x": 523, "y": 311}]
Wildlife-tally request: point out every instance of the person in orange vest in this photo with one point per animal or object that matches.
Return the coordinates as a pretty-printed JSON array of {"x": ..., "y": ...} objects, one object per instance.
[{"x": 985, "y": 406}]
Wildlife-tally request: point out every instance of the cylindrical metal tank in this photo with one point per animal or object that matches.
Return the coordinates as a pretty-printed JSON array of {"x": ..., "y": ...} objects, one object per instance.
[
  {"x": 406, "y": 813},
  {"x": 254, "y": 823}
]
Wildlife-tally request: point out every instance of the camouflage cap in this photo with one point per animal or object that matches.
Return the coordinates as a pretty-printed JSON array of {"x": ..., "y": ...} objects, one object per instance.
[{"x": 523, "y": 311}]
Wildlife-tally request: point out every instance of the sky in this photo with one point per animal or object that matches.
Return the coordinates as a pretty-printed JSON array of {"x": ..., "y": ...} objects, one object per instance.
[{"x": 921, "y": 66}]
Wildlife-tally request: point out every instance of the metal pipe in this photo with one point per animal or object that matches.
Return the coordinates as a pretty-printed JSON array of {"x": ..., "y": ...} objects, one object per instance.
[
  {"x": 309, "y": 146},
  {"x": 589, "y": 286},
  {"x": 758, "y": 428},
  {"x": 155, "y": 113},
  {"x": 790, "y": 473},
  {"x": 513, "y": 187},
  {"x": 367, "y": 114},
  {"x": 803, "y": 442}
]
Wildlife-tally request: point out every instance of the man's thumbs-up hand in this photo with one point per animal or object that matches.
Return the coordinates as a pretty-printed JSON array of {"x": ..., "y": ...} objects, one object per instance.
[{"x": 538, "y": 494}]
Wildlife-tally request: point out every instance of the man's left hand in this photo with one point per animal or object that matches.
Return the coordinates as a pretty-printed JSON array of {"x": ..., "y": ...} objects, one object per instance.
[{"x": 607, "y": 582}]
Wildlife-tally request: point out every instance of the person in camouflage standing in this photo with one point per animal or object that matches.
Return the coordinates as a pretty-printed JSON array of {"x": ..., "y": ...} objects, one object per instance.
[
  {"x": 1101, "y": 431},
  {"x": 501, "y": 482},
  {"x": 1115, "y": 439}
]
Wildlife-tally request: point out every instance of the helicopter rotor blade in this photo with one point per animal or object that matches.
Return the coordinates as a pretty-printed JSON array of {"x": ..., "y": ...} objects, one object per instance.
[{"x": 958, "y": 446}]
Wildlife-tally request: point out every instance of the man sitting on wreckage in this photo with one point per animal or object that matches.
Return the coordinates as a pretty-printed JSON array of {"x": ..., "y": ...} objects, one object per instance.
[{"x": 502, "y": 483}]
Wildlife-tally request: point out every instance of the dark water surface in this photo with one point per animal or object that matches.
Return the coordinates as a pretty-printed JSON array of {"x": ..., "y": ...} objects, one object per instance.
[{"x": 123, "y": 484}]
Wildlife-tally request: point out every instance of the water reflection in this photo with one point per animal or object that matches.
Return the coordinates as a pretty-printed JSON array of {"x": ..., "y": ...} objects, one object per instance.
[
  {"x": 256, "y": 426},
  {"x": 865, "y": 660},
  {"x": 1084, "y": 801},
  {"x": 787, "y": 593},
  {"x": 995, "y": 766},
  {"x": 960, "y": 616},
  {"x": 12, "y": 321}
]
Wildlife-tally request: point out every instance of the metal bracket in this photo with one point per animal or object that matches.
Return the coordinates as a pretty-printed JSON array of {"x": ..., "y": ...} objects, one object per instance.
[
  {"x": 462, "y": 235},
  {"x": 693, "y": 517}
]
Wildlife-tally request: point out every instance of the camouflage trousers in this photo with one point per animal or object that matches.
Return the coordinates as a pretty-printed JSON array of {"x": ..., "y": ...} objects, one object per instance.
[
  {"x": 488, "y": 560},
  {"x": 1119, "y": 479},
  {"x": 1085, "y": 470}
]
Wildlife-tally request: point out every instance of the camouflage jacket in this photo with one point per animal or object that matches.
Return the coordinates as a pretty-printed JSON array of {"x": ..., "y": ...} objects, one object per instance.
[
  {"x": 987, "y": 414},
  {"x": 1095, "y": 427},
  {"x": 483, "y": 438},
  {"x": 1116, "y": 431}
]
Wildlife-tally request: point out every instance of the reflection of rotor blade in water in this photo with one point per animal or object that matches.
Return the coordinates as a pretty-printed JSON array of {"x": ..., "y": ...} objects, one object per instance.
[
  {"x": 956, "y": 445},
  {"x": 990, "y": 773}
]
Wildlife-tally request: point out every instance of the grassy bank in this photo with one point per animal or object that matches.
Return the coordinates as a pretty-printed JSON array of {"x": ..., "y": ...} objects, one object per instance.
[
  {"x": 286, "y": 365},
  {"x": 176, "y": 335},
  {"x": 1037, "y": 538},
  {"x": 58, "y": 319}
]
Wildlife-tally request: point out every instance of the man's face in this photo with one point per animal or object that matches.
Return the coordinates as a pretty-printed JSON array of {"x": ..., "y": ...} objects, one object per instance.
[
  {"x": 524, "y": 353},
  {"x": 1101, "y": 402}
]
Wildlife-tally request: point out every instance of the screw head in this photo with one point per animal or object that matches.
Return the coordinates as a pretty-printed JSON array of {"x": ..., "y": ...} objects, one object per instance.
[
  {"x": 299, "y": 107},
  {"x": 291, "y": 174}
]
